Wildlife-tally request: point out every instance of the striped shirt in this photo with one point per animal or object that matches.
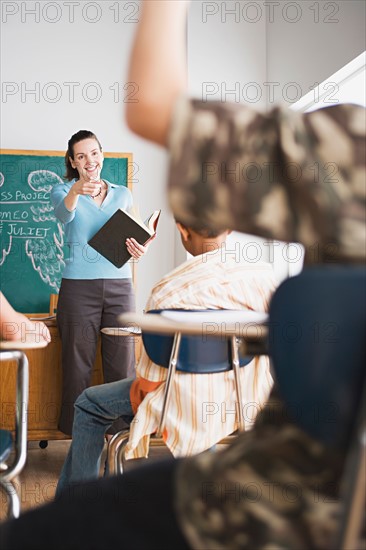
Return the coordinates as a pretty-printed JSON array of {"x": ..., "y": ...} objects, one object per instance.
[{"x": 202, "y": 406}]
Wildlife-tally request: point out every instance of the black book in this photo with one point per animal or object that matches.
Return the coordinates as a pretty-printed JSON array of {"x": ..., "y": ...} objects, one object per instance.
[{"x": 110, "y": 240}]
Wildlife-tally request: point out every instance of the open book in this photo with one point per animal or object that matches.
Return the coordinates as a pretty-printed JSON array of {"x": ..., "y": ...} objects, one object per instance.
[{"x": 110, "y": 240}]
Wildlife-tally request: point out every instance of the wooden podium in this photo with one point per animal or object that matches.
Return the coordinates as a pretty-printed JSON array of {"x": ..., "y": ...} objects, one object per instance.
[{"x": 45, "y": 383}]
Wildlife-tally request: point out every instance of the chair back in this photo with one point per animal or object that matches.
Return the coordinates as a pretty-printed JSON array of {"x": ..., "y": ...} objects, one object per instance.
[
  {"x": 197, "y": 354},
  {"x": 6, "y": 444},
  {"x": 317, "y": 345},
  {"x": 19, "y": 443}
]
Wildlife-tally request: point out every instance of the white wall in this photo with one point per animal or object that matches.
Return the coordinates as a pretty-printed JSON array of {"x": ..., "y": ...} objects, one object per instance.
[
  {"x": 323, "y": 37},
  {"x": 234, "y": 48},
  {"x": 278, "y": 48},
  {"x": 225, "y": 53}
]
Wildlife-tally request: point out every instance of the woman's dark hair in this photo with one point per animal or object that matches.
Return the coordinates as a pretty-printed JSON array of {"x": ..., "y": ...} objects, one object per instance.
[{"x": 72, "y": 173}]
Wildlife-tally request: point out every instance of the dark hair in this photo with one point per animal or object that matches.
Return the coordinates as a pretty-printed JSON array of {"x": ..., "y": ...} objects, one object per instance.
[
  {"x": 72, "y": 173},
  {"x": 204, "y": 230}
]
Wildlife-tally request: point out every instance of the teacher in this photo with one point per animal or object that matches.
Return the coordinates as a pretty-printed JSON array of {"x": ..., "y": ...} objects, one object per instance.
[{"x": 93, "y": 291}]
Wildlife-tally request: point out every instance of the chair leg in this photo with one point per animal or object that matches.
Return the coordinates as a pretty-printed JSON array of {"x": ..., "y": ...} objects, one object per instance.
[
  {"x": 236, "y": 369},
  {"x": 120, "y": 456},
  {"x": 20, "y": 444},
  {"x": 353, "y": 486},
  {"x": 169, "y": 382},
  {"x": 117, "y": 448},
  {"x": 117, "y": 445},
  {"x": 13, "y": 499},
  {"x": 119, "y": 439},
  {"x": 21, "y": 423}
]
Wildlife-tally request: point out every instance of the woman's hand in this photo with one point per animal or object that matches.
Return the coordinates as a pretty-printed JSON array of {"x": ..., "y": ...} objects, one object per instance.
[
  {"x": 82, "y": 186},
  {"x": 136, "y": 249},
  {"x": 86, "y": 187}
]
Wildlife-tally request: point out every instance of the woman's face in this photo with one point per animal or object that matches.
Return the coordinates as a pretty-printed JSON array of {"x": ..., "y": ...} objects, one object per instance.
[{"x": 88, "y": 159}]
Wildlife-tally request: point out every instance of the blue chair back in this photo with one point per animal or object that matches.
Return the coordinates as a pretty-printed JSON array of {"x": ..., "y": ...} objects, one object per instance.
[
  {"x": 197, "y": 354},
  {"x": 317, "y": 345}
]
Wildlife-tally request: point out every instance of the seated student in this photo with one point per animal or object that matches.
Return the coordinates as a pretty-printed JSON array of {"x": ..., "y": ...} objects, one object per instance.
[
  {"x": 214, "y": 278},
  {"x": 16, "y": 326},
  {"x": 164, "y": 505}
]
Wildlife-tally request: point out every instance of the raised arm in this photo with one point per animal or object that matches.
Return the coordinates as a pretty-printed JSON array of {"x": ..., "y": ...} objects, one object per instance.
[{"x": 158, "y": 67}]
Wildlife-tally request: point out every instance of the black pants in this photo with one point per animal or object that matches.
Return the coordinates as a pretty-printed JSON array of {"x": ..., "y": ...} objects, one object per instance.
[
  {"x": 133, "y": 511},
  {"x": 84, "y": 307}
]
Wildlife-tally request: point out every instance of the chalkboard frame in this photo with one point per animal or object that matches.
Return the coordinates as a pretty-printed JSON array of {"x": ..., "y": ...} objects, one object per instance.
[
  {"x": 128, "y": 182},
  {"x": 44, "y": 153}
]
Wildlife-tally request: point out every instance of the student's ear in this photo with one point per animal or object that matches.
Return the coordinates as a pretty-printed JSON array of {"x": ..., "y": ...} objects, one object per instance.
[
  {"x": 183, "y": 231},
  {"x": 72, "y": 162}
]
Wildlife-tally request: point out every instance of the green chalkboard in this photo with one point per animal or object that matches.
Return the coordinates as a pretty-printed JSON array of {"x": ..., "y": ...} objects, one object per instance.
[{"x": 31, "y": 238}]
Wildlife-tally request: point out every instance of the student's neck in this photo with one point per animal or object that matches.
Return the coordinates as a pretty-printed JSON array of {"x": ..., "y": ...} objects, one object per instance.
[{"x": 207, "y": 245}]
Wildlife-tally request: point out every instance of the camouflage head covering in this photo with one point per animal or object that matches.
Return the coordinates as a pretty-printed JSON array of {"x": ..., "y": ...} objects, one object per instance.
[{"x": 281, "y": 175}]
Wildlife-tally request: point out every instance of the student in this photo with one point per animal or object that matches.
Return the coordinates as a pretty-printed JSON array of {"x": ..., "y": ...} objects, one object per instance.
[
  {"x": 92, "y": 293},
  {"x": 15, "y": 326},
  {"x": 308, "y": 174},
  {"x": 323, "y": 211},
  {"x": 164, "y": 505},
  {"x": 216, "y": 279}
]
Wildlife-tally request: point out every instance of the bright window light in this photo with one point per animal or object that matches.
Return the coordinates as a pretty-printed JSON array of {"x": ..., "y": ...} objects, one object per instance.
[{"x": 348, "y": 85}]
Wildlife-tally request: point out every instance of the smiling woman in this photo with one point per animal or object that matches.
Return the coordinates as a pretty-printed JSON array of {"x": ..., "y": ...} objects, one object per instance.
[
  {"x": 84, "y": 161},
  {"x": 93, "y": 291}
]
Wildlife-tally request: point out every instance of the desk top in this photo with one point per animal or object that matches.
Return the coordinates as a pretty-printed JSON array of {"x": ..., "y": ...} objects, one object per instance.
[
  {"x": 48, "y": 320},
  {"x": 248, "y": 324},
  {"x": 121, "y": 331}
]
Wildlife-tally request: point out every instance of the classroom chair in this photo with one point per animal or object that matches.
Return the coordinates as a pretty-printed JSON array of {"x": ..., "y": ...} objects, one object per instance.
[
  {"x": 15, "y": 447},
  {"x": 192, "y": 354},
  {"x": 317, "y": 347}
]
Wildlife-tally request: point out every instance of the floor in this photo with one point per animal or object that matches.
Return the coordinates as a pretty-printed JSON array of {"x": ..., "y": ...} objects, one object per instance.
[{"x": 36, "y": 484}]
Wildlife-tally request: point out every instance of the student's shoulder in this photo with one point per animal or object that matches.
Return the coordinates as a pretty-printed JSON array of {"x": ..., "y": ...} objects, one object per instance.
[
  {"x": 234, "y": 260},
  {"x": 179, "y": 275},
  {"x": 260, "y": 271}
]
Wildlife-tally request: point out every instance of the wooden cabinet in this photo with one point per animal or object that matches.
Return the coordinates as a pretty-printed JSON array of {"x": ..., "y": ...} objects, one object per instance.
[{"x": 45, "y": 379}]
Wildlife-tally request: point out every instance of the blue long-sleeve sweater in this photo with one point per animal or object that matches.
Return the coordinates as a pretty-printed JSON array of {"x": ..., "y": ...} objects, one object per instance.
[{"x": 83, "y": 262}]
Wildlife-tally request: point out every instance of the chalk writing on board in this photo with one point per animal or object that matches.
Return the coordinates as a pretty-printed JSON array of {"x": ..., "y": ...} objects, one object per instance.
[
  {"x": 32, "y": 248},
  {"x": 28, "y": 225}
]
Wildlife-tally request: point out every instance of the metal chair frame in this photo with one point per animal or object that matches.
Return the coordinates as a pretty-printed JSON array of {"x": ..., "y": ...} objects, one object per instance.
[
  {"x": 9, "y": 472},
  {"x": 353, "y": 486},
  {"x": 117, "y": 444}
]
